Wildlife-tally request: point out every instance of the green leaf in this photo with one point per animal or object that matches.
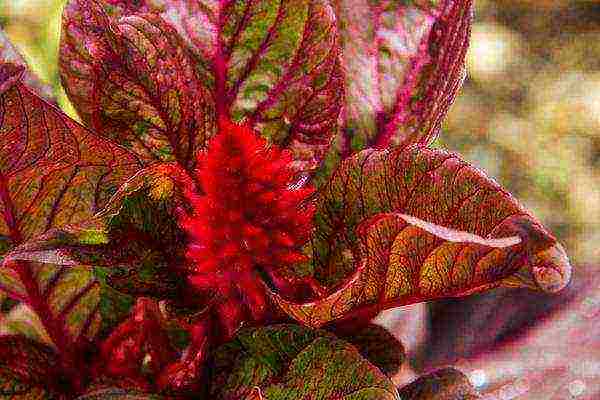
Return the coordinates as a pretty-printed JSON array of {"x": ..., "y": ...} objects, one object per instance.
[
  {"x": 294, "y": 362},
  {"x": 22, "y": 320},
  {"x": 53, "y": 171},
  {"x": 403, "y": 64},
  {"x": 133, "y": 80},
  {"x": 131, "y": 242},
  {"x": 90, "y": 271},
  {"x": 49, "y": 177}
]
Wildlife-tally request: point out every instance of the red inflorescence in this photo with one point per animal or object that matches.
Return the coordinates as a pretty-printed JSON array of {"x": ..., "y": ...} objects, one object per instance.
[{"x": 249, "y": 218}]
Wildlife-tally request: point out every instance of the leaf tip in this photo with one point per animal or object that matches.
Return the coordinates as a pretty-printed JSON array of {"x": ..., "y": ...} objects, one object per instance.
[
  {"x": 551, "y": 269},
  {"x": 548, "y": 271}
]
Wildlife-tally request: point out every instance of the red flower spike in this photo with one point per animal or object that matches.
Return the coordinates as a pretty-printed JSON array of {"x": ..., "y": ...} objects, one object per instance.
[{"x": 249, "y": 217}]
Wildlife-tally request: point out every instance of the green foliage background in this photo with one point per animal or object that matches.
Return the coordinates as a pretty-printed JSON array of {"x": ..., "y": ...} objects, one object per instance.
[{"x": 529, "y": 113}]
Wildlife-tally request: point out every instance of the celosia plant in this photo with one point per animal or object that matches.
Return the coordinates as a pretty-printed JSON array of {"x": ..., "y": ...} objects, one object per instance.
[{"x": 253, "y": 184}]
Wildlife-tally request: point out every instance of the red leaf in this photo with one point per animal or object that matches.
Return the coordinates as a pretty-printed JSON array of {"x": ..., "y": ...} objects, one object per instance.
[
  {"x": 134, "y": 81},
  {"x": 274, "y": 64},
  {"x": 404, "y": 63},
  {"x": 420, "y": 224},
  {"x": 50, "y": 176},
  {"x": 48, "y": 161}
]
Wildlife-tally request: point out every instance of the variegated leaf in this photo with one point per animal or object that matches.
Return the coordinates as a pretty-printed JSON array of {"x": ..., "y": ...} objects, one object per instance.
[{"x": 405, "y": 226}]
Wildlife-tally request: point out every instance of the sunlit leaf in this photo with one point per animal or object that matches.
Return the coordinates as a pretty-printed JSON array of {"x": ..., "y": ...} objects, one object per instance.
[
  {"x": 294, "y": 362},
  {"x": 404, "y": 63},
  {"x": 404, "y": 226},
  {"x": 22, "y": 320}
]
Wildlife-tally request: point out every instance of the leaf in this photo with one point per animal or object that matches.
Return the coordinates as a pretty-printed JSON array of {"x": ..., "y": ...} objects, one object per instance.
[
  {"x": 273, "y": 63},
  {"x": 133, "y": 80},
  {"x": 48, "y": 161},
  {"x": 405, "y": 226},
  {"x": 403, "y": 64},
  {"x": 133, "y": 247},
  {"x": 52, "y": 172},
  {"x": 27, "y": 369},
  {"x": 132, "y": 243},
  {"x": 290, "y": 361},
  {"x": 444, "y": 384},
  {"x": 10, "y": 54},
  {"x": 139, "y": 348}
]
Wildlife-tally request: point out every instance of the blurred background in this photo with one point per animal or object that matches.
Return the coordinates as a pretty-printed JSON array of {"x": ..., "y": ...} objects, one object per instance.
[{"x": 529, "y": 115}]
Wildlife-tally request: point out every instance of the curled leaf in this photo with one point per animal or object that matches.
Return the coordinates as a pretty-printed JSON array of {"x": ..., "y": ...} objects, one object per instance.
[{"x": 418, "y": 224}]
